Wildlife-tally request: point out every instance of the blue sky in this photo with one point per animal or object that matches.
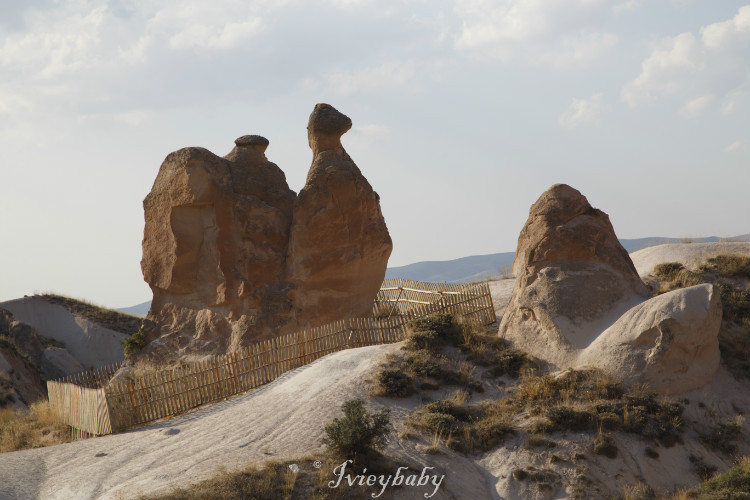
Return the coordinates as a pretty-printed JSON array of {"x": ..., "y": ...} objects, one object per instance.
[{"x": 464, "y": 112}]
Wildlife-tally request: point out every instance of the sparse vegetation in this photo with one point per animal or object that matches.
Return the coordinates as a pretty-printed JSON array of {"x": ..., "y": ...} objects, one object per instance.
[
  {"x": 358, "y": 432},
  {"x": 701, "y": 468},
  {"x": 722, "y": 436},
  {"x": 473, "y": 428},
  {"x": 277, "y": 480},
  {"x": 37, "y": 427},
  {"x": 604, "y": 445},
  {"x": 114, "y": 320},
  {"x": 731, "y": 485},
  {"x": 394, "y": 383},
  {"x": 134, "y": 343},
  {"x": 441, "y": 350}
]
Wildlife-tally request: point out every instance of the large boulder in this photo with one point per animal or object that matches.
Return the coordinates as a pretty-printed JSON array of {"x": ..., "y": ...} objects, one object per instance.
[
  {"x": 339, "y": 245},
  {"x": 668, "y": 342},
  {"x": 233, "y": 255},
  {"x": 579, "y": 302},
  {"x": 215, "y": 243},
  {"x": 573, "y": 278}
]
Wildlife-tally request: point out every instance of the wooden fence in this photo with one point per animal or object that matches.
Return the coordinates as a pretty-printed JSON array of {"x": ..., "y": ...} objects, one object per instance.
[{"x": 89, "y": 403}]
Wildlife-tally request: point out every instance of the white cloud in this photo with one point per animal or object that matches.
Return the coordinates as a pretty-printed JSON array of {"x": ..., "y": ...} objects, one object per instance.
[
  {"x": 696, "y": 107},
  {"x": 582, "y": 111},
  {"x": 502, "y": 29},
  {"x": 693, "y": 67}
]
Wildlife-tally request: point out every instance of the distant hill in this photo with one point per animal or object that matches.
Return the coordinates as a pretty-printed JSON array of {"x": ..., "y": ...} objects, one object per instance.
[
  {"x": 479, "y": 267},
  {"x": 473, "y": 268},
  {"x": 633, "y": 245},
  {"x": 137, "y": 310}
]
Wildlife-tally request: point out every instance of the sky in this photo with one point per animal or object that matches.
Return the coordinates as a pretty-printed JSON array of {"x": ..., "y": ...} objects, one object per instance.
[{"x": 464, "y": 112}]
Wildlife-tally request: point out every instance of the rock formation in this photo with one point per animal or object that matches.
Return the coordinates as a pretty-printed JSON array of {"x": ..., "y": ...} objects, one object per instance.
[
  {"x": 578, "y": 301},
  {"x": 338, "y": 231},
  {"x": 573, "y": 278},
  {"x": 232, "y": 254},
  {"x": 668, "y": 341}
]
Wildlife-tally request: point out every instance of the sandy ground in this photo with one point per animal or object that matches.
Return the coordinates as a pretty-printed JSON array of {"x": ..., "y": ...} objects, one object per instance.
[
  {"x": 689, "y": 254},
  {"x": 284, "y": 419},
  {"x": 87, "y": 342},
  {"x": 501, "y": 291}
]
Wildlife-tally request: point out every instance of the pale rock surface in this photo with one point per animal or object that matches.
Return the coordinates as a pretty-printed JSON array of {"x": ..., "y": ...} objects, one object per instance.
[
  {"x": 57, "y": 362},
  {"x": 687, "y": 254},
  {"x": 339, "y": 245},
  {"x": 90, "y": 344},
  {"x": 573, "y": 278},
  {"x": 578, "y": 301},
  {"x": 669, "y": 342}
]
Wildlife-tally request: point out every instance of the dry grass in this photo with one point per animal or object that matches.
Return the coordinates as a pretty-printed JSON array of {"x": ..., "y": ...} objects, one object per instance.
[
  {"x": 20, "y": 430},
  {"x": 471, "y": 429},
  {"x": 274, "y": 480}
]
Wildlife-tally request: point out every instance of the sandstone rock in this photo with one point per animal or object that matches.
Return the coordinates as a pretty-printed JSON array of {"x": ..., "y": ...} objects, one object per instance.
[
  {"x": 579, "y": 302},
  {"x": 339, "y": 244},
  {"x": 668, "y": 342},
  {"x": 573, "y": 278},
  {"x": 215, "y": 242},
  {"x": 232, "y": 254}
]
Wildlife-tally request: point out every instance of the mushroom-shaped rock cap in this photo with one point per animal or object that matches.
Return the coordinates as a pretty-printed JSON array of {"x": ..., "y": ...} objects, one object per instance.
[
  {"x": 251, "y": 141},
  {"x": 327, "y": 120}
]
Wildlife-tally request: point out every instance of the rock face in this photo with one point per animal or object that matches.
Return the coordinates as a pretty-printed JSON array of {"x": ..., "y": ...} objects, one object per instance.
[
  {"x": 232, "y": 254},
  {"x": 338, "y": 231},
  {"x": 666, "y": 341},
  {"x": 215, "y": 242},
  {"x": 573, "y": 278},
  {"x": 578, "y": 301}
]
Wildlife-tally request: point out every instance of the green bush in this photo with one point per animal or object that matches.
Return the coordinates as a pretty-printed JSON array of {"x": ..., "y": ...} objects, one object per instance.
[
  {"x": 358, "y": 432},
  {"x": 509, "y": 362},
  {"x": 564, "y": 418},
  {"x": 440, "y": 423},
  {"x": 431, "y": 332},
  {"x": 394, "y": 383},
  {"x": 134, "y": 343},
  {"x": 732, "y": 485}
]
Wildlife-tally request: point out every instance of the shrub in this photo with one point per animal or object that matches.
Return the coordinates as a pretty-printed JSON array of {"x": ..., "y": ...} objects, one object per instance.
[
  {"x": 701, "y": 468},
  {"x": 509, "y": 362},
  {"x": 440, "y": 423},
  {"x": 431, "y": 332},
  {"x": 394, "y": 383},
  {"x": 722, "y": 436},
  {"x": 732, "y": 485},
  {"x": 569, "y": 419},
  {"x": 134, "y": 343},
  {"x": 731, "y": 265},
  {"x": 668, "y": 270},
  {"x": 604, "y": 445},
  {"x": 358, "y": 432}
]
